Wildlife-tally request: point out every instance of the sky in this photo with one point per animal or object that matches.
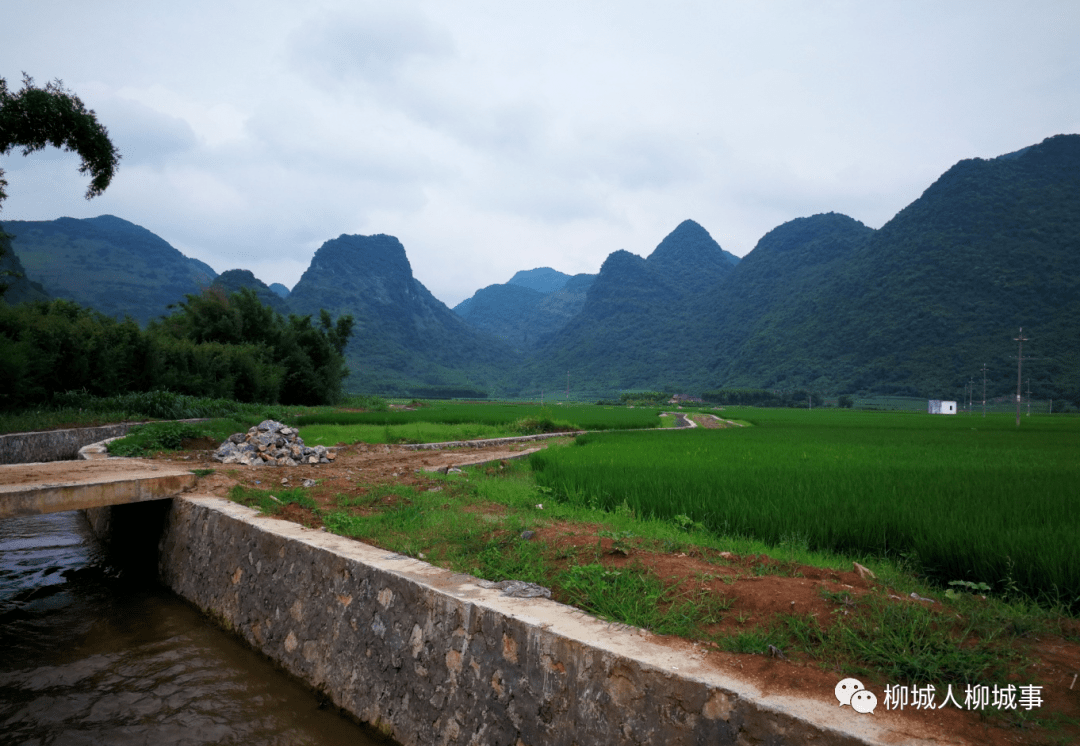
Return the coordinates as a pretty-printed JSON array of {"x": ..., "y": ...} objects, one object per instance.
[{"x": 492, "y": 137}]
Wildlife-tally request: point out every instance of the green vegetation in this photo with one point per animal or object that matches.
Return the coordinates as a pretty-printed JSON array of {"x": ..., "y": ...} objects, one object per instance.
[
  {"x": 956, "y": 498},
  {"x": 445, "y": 421},
  {"x": 530, "y": 417},
  {"x": 414, "y": 432},
  {"x": 144, "y": 440},
  {"x": 271, "y": 502},
  {"x": 36, "y": 117},
  {"x": 487, "y": 522},
  {"x": 763, "y": 398},
  {"x": 215, "y": 346}
]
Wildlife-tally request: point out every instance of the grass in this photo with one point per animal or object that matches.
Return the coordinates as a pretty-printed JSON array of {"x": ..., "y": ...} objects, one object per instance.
[
  {"x": 956, "y": 499},
  {"x": 271, "y": 502},
  {"x": 145, "y": 440},
  {"x": 474, "y": 523},
  {"x": 519, "y": 416},
  {"x": 415, "y": 432}
]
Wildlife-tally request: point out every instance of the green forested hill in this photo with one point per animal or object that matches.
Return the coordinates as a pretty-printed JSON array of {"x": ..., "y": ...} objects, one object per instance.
[
  {"x": 942, "y": 288},
  {"x": 509, "y": 312},
  {"x": 404, "y": 339},
  {"x": 822, "y": 303},
  {"x": 637, "y": 328},
  {"x": 541, "y": 279},
  {"x": 232, "y": 280},
  {"x": 828, "y": 304},
  {"x": 529, "y": 308},
  {"x": 107, "y": 263},
  {"x": 780, "y": 293},
  {"x": 19, "y": 287}
]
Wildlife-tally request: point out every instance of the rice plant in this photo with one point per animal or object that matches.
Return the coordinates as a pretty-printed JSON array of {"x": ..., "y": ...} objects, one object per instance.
[{"x": 963, "y": 498}]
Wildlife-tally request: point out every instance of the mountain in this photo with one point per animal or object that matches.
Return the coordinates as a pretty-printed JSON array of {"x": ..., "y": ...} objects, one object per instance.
[
  {"x": 541, "y": 279},
  {"x": 919, "y": 305},
  {"x": 509, "y": 312},
  {"x": 637, "y": 327},
  {"x": 520, "y": 312},
  {"x": 827, "y": 303},
  {"x": 792, "y": 279},
  {"x": 404, "y": 339},
  {"x": 280, "y": 290},
  {"x": 19, "y": 288},
  {"x": 689, "y": 256},
  {"x": 824, "y": 302},
  {"x": 107, "y": 263},
  {"x": 232, "y": 280}
]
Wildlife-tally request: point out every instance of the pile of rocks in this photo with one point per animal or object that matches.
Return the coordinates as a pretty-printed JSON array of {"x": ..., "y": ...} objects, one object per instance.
[{"x": 270, "y": 443}]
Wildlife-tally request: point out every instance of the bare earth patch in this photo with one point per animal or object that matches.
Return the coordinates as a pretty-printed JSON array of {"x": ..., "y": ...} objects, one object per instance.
[{"x": 759, "y": 587}]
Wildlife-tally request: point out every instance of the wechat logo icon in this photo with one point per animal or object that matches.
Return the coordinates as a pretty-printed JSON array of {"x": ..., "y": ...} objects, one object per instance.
[{"x": 852, "y": 692}]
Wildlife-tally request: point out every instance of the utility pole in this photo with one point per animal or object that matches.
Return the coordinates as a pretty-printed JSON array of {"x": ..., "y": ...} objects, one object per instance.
[
  {"x": 567, "y": 387},
  {"x": 984, "y": 389},
  {"x": 1019, "y": 366},
  {"x": 1029, "y": 397}
]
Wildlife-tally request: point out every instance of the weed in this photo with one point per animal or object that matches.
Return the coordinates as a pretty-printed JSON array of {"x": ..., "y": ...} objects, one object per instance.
[
  {"x": 202, "y": 472},
  {"x": 971, "y": 587},
  {"x": 155, "y": 436},
  {"x": 269, "y": 502}
]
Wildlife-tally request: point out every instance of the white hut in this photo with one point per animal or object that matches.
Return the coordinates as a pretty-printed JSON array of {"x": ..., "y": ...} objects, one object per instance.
[{"x": 938, "y": 406}]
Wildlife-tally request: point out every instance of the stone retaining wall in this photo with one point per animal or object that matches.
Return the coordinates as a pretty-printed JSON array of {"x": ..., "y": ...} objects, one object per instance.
[
  {"x": 58, "y": 445},
  {"x": 432, "y": 657},
  {"x": 55, "y": 445}
]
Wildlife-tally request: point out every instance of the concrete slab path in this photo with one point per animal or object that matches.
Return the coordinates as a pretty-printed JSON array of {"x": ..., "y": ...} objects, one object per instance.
[{"x": 57, "y": 486}]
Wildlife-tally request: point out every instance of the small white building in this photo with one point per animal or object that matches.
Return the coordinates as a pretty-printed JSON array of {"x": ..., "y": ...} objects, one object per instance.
[{"x": 938, "y": 406}]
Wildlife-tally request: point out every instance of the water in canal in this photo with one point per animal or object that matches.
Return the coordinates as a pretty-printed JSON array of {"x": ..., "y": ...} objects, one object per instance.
[{"x": 90, "y": 656}]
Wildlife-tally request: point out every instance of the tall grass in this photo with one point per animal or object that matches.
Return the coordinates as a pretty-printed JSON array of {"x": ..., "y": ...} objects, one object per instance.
[{"x": 957, "y": 498}]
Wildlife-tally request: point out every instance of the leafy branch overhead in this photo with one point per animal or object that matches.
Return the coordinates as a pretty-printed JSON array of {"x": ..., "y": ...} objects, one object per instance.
[{"x": 35, "y": 117}]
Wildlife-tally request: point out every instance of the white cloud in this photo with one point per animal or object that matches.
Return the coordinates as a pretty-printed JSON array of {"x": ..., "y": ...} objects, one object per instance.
[{"x": 492, "y": 137}]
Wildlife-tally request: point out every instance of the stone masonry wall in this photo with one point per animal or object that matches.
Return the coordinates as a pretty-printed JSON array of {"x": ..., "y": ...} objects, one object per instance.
[
  {"x": 58, "y": 445},
  {"x": 430, "y": 657},
  {"x": 54, "y": 445}
]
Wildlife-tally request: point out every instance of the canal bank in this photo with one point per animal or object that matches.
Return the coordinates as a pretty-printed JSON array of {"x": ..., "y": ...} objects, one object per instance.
[{"x": 429, "y": 656}]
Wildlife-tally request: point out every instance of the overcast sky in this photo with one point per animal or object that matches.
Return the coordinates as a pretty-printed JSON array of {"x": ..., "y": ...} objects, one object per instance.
[{"x": 497, "y": 136}]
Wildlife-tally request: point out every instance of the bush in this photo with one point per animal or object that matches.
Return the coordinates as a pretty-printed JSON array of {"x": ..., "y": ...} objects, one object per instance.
[
  {"x": 156, "y": 436},
  {"x": 542, "y": 424}
]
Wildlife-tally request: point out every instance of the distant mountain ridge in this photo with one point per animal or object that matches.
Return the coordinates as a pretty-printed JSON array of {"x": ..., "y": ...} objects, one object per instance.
[
  {"x": 822, "y": 302},
  {"x": 107, "y": 263},
  {"x": 232, "y": 280},
  {"x": 541, "y": 279}
]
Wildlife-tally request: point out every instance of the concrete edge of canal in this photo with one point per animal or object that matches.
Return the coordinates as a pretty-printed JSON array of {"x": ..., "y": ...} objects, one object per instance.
[{"x": 429, "y": 656}]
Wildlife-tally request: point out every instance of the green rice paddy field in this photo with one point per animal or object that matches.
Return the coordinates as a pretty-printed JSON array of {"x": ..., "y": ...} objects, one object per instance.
[
  {"x": 445, "y": 421},
  {"x": 955, "y": 498}
]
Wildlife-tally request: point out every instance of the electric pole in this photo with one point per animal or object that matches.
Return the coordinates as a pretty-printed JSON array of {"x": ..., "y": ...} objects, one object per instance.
[
  {"x": 1019, "y": 366},
  {"x": 984, "y": 389}
]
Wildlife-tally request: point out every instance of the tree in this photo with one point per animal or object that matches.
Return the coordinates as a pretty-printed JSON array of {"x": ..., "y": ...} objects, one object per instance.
[{"x": 35, "y": 117}]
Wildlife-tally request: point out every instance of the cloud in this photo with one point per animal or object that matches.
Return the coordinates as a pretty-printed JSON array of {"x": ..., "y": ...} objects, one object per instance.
[
  {"x": 145, "y": 136},
  {"x": 372, "y": 44}
]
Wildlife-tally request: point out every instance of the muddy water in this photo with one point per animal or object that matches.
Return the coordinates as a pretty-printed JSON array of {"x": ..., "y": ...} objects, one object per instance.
[{"x": 89, "y": 656}]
